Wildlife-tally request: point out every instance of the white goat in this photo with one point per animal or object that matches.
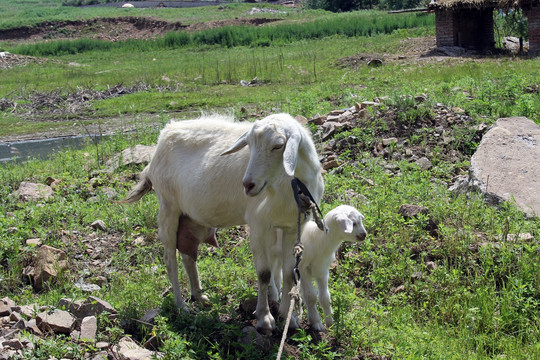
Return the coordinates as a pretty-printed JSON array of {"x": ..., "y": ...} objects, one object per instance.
[
  {"x": 344, "y": 223},
  {"x": 199, "y": 189}
]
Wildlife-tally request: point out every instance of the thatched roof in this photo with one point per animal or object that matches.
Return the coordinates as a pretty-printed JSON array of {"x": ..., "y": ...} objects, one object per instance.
[{"x": 479, "y": 4}]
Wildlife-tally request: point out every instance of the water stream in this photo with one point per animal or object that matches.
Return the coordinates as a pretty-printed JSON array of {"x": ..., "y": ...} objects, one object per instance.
[{"x": 22, "y": 150}]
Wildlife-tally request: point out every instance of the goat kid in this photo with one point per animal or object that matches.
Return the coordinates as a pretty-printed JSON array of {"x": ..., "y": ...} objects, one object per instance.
[
  {"x": 198, "y": 182},
  {"x": 344, "y": 223}
]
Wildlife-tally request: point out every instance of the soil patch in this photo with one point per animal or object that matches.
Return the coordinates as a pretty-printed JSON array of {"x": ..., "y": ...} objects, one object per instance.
[{"x": 114, "y": 29}]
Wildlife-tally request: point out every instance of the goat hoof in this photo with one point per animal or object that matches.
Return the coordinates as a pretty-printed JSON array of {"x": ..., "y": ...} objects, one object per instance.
[
  {"x": 293, "y": 324},
  {"x": 266, "y": 325},
  {"x": 329, "y": 321},
  {"x": 201, "y": 298},
  {"x": 318, "y": 327}
]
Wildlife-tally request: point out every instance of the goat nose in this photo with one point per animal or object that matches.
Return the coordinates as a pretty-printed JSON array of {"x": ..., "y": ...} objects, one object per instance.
[
  {"x": 248, "y": 186},
  {"x": 361, "y": 236}
]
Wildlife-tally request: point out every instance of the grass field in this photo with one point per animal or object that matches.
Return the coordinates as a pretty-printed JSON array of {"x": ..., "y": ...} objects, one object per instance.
[{"x": 481, "y": 301}]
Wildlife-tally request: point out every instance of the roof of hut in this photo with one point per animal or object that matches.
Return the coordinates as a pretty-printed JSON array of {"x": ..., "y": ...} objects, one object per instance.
[{"x": 479, "y": 4}]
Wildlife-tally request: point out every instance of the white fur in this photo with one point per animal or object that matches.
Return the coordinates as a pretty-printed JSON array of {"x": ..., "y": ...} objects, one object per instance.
[
  {"x": 344, "y": 223},
  {"x": 195, "y": 174}
]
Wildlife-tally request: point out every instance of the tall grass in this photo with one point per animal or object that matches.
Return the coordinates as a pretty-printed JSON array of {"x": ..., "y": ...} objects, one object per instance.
[{"x": 356, "y": 24}]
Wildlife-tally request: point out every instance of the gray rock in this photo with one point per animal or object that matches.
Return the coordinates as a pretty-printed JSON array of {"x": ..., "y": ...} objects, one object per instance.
[
  {"x": 150, "y": 316},
  {"x": 47, "y": 263},
  {"x": 14, "y": 344},
  {"x": 88, "y": 328},
  {"x": 5, "y": 309},
  {"x": 86, "y": 287},
  {"x": 424, "y": 163},
  {"x": 506, "y": 164},
  {"x": 99, "y": 225},
  {"x": 409, "y": 211},
  {"x": 139, "y": 154},
  {"x": 31, "y": 191},
  {"x": 93, "y": 306},
  {"x": 389, "y": 141},
  {"x": 33, "y": 242},
  {"x": 252, "y": 337},
  {"x": 59, "y": 321},
  {"x": 127, "y": 349}
]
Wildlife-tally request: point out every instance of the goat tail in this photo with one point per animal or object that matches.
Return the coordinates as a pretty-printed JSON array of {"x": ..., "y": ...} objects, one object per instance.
[{"x": 143, "y": 186}]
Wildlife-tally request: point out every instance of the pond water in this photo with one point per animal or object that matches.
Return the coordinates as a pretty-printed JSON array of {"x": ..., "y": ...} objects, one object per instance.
[{"x": 22, "y": 150}]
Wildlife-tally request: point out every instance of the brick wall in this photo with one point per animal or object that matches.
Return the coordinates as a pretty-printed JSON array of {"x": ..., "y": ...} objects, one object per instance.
[
  {"x": 533, "y": 15},
  {"x": 444, "y": 28},
  {"x": 468, "y": 28}
]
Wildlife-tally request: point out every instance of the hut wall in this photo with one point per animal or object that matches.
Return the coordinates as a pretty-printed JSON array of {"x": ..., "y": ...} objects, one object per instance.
[
  {"x": 475, "y": 28},
  {"x": 533, "y": 16},
  {"x": 444, "y": 28},
  {"x": 468, "y": 28}
]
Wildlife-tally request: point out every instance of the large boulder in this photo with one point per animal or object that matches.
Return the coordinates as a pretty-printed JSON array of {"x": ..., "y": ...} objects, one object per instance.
[{"x": 506, "y": 165}]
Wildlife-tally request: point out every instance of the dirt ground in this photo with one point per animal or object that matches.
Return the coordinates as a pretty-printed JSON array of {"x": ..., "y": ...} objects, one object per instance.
[{"x": 113, "y": 29}]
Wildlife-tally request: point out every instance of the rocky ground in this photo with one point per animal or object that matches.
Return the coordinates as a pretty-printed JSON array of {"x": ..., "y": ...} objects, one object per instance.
[{"x": 335, "y": 134}]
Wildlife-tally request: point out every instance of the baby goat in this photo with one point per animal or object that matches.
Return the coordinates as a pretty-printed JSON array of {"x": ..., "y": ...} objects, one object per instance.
[{"x": 344, "y": 223}]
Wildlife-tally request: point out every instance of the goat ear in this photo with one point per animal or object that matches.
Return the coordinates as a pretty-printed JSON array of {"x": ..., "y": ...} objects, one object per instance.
[
  {"x": 240, "y": 143},
  {"x": 290, "y": 154},
  {"x": 345, "y": 223}
]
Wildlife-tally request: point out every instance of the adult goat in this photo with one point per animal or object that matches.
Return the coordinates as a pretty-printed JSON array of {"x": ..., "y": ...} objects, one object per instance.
[{"x": 201, "y": 184}]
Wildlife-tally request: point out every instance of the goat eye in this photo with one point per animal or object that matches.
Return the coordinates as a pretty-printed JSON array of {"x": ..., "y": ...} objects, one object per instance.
[{"x": 277, "y": 147}]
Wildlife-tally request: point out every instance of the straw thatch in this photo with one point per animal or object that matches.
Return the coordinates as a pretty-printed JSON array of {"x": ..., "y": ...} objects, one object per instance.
[{"x": 480, "y": 4}]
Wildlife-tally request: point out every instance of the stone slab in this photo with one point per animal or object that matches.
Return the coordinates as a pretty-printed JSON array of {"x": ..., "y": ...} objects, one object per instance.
[{"x": 506, "y": 164}]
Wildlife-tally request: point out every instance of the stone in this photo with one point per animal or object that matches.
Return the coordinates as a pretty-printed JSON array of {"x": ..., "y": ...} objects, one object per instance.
[
  {"x": 99, "y": 225},
  {"x": 88, "y": 328},
  {"x": 409, "y": 211},
  {"x": 367, "y": 104},
  {"x": 33, "y": 242},
  {"x": 127, "y": 349},
  {"x": 48, "y": 263},
  {"x": 375, "y": 62},
  {"x": 250, "y": 336},
  {"x": 5, "y": 310},
  {"x": 102, "y": 355},
  {"x": 506, "y": 164},
  {"x": 329, "y": 129},
  {"x": 93, "y": 306},
  {"x": 150, "y": 316},
  {"x": 317, "y": 120},
  {"x": 139, "y": 154},
  {"x": 301, "y": 119},
  {"x": 330, "y": 164},
  {"x": 424, "y": 163},
  {"x": 389, "y": 141},
  {"x": 430, "y": 265},
  {"x": 31, "y": 325},
  {"x": 14, "y": 344},
  {"x": 87, "y": 287},
  {"x": 15, "y": 316},
  {"x": 31, "y": 191},
  {"x": 59, "y": 321}
]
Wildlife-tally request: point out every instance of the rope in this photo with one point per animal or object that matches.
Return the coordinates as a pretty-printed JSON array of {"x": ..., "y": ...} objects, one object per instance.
[
  {"x": 295, "y": 295},
  {"x": 305, "y": 203}
]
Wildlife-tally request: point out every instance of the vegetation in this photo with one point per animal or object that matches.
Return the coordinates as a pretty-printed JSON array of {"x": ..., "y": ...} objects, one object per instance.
[{"x": 481, "y": 301}]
